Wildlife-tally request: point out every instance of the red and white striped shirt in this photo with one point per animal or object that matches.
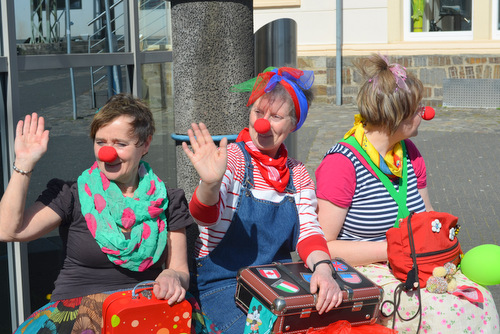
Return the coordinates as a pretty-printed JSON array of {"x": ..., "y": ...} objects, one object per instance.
[{"x": 214, "y": 221}]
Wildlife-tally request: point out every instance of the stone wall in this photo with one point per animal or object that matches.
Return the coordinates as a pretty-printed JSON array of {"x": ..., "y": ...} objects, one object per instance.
[{"x": 431, "y": 69}]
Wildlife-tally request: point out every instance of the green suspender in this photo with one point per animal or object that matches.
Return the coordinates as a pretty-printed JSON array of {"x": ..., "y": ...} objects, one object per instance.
[{"x": 398, "y": 196}]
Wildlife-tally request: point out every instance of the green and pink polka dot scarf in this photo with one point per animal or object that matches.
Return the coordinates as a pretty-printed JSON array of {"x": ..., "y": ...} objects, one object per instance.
[{"x": 107, "y": 211}]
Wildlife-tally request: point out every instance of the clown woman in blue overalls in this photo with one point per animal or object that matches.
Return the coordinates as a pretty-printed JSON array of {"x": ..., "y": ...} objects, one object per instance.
[{"x": 254, "y": 205}]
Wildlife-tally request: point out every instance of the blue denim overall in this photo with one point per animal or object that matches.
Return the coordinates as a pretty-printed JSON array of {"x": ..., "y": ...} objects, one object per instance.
[{"x": 260, "y": 232}]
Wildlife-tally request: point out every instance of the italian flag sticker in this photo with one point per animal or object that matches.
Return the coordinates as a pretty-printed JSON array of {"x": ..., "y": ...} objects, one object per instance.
[{"x": 286, "y": 286}]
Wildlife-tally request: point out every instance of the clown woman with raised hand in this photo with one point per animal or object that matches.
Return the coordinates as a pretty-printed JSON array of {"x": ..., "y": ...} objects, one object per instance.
[
  {"x": 119, "y": 223},
  {"x": 254, "y": 204}
]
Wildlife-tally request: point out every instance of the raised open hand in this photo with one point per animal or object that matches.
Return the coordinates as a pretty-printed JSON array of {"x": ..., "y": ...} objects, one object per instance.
[
  {"x": 208, "y": 160},
  {"x": 31, "y": 141}
]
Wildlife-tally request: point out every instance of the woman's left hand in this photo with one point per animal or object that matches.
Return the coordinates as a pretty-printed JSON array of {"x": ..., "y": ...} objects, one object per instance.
[
  {"x": 168, "y": 286},
  {"x": 328, "y": 291}
]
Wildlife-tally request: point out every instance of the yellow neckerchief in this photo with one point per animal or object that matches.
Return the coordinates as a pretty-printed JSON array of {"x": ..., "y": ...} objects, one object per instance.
[{"x": 392, "y": 159}]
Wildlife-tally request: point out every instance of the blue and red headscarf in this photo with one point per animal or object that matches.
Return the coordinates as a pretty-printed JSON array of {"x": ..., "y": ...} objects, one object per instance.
[{"x": 292, "y": 79}]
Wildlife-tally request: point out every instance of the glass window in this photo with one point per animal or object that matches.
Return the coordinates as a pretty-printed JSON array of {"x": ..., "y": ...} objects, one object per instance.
[
  {"x": 496, "y": 19},
  {"x": 154, "y": 25},
  {"x": 50, "y": 94},
  {"x": 5, "y": 316},
  {"x": 70, "y": 148},
  {"x": 157, "y": 91},
  {"x": 151, "y": 4},
  {"x": 438, "y": 19},
  {"x": 1, "y": 35},
  {"x": 43, "y": 32},
  {"x": 5, "y": 321},
  {"x": 60, "y": 4},
  {"x": 70, "y": 151}
]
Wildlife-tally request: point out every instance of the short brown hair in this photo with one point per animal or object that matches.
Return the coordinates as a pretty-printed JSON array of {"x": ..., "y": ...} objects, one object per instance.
[
  {"x": 380, "y": 101},
  {"x": 143, "y": 125}
]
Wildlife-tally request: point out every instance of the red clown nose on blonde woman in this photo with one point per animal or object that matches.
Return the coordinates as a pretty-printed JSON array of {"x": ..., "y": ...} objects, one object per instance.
[
  {"x": 428, "y": 113},
  {"x": 262, "y": 125}
]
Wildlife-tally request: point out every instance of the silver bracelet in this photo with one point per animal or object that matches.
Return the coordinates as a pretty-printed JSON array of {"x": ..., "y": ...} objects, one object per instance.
[{"x": 20, "y": 171}]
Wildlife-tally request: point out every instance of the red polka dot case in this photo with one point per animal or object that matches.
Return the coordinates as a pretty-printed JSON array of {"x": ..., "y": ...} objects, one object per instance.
[{"x": 139, "y": 311}]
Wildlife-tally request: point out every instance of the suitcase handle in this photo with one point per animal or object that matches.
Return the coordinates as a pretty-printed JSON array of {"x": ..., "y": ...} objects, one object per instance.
[
  {"x": 349, "y": 291},
  {"x": 142, "y": 284}
]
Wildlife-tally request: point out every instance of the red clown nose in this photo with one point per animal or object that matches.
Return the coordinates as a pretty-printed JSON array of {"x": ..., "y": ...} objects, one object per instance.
[
  {"x": 429, "y": 113},
  {"x": 262, "y": 125},
  {"x": 107, "y": 154}
]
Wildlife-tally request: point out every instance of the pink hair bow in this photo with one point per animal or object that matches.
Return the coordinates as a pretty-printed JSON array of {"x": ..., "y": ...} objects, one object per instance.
[{"x": 399, "y": 73}]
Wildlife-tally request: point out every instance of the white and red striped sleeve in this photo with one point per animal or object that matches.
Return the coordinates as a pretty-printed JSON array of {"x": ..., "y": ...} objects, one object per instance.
[
  {"x": 212, "y": 228},
  {"x": 311, "y": 236}
]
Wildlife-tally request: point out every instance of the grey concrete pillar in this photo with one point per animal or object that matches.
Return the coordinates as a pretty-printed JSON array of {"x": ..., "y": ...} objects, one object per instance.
[{"x": 212, "y": 44}]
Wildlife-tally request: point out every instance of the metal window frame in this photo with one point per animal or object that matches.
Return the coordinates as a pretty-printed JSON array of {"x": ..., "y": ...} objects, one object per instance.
[
  {"x": 495, "y": 26},
  {"x": 10, "y": 65},
  {"x": 467, "y": 35}
]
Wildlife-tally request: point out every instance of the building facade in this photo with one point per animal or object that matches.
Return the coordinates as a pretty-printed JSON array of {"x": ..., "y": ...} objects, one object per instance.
[{"x": 435, "y": 39}]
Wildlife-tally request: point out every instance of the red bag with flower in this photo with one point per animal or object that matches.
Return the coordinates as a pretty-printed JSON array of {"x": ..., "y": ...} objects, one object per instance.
[{"x": 434, "y": 237}]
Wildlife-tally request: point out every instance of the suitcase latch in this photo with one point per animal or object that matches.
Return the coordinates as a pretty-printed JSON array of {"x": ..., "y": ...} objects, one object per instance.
[
  {"x": 306, "y": 313},
  {"x": 357, "y": 306},
  {"x": 349, "y": 291}
]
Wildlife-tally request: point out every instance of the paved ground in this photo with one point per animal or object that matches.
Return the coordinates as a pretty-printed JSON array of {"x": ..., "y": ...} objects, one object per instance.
[{"x": 460, "y": 147}]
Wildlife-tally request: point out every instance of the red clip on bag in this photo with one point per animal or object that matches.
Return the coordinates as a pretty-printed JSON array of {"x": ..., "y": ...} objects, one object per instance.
[{"x": 435, "y": 239}]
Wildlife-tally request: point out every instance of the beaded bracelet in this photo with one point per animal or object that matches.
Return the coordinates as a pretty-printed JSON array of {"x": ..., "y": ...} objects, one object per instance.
[
  {"x": 329, "y": 262},
  {"x": 20, "y": 171}
]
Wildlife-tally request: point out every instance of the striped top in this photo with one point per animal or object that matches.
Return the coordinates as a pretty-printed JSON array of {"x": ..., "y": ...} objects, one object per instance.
[
  {"x": 305, "y": 200},
  {"x": 371, "y": 209}
]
